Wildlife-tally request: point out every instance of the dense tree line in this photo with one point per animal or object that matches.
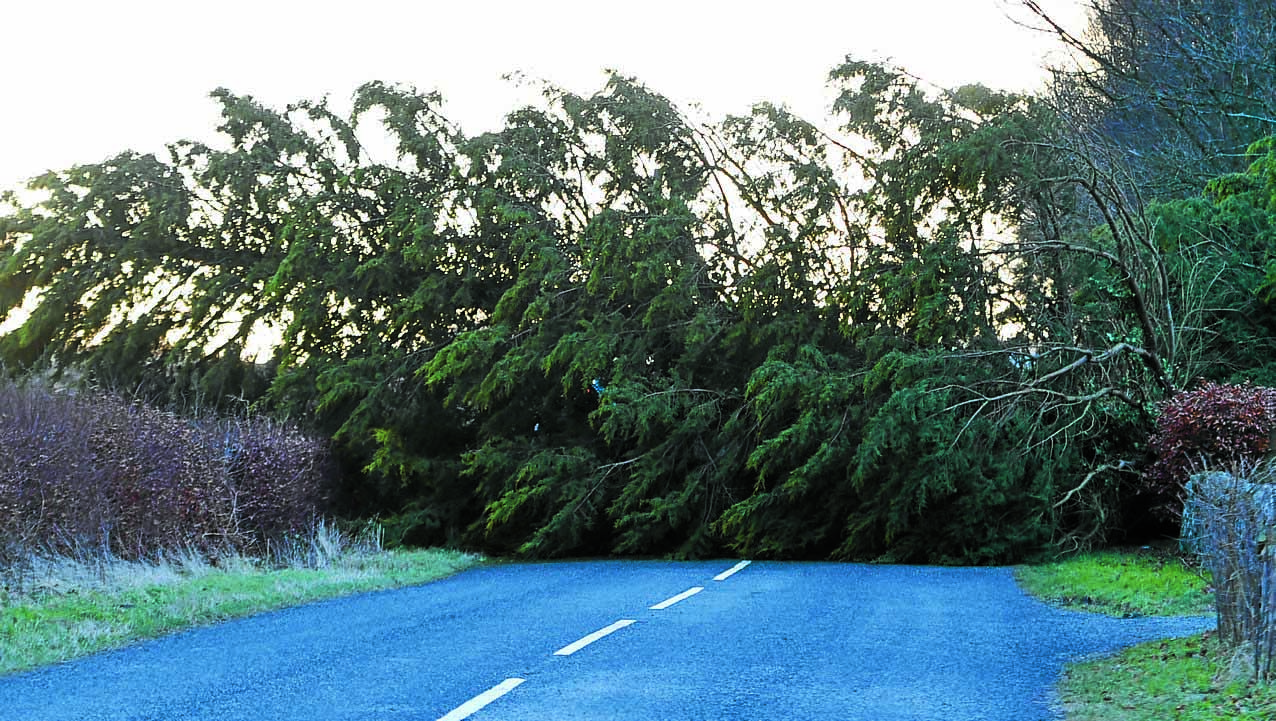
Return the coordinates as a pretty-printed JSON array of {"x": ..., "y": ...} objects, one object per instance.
[{"x": 937, "y": 331}]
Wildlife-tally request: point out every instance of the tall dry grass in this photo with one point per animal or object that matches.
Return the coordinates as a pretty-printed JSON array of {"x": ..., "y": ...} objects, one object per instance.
[{"x": 39, "y": 573}]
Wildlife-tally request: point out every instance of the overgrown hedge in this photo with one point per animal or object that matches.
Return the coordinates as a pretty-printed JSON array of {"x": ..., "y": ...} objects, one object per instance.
[{"x": 91, "y": 469}]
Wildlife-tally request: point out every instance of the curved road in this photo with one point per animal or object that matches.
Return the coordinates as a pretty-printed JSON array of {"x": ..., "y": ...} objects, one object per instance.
[{"x": 582, "y": 640}]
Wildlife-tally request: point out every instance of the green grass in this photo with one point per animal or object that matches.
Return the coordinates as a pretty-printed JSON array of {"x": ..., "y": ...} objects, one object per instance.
[
  {"x": 1183, "y": 679},
  {"x": 1138, "y": 583},
  {"x": 1187, "y": 679},
  {"x": 70, "y": 609}
]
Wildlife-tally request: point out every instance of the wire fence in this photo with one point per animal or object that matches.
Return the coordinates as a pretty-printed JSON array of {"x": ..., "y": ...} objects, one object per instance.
[{"x": 1229, "y": 519}]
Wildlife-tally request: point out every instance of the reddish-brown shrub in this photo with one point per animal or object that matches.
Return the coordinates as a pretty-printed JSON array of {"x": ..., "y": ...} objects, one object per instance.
[
  {"x": 274, "y": 477},
  {"x": 49, "y": 487},
  {"x": 1214, "y": 426},
  {"x": 161, "y": 481},
  {"x": 93, "y": 469}
]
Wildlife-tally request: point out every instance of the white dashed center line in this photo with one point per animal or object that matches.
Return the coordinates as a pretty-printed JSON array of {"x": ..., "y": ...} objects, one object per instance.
[
  {"x": 672, "y": 600},
  {"x": 571, "y": 648},
  {"x": 727, "y": 573},
  {"x": 475, "y": 704},
  {"x": 468, "y": 708}
]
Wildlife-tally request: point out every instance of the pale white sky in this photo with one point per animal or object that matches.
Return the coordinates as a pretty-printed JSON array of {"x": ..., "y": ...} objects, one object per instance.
[{"x": 85, "y": 79}]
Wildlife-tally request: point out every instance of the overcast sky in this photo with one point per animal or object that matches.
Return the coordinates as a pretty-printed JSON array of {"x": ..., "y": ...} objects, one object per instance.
[{"x": 85, "y": 79}]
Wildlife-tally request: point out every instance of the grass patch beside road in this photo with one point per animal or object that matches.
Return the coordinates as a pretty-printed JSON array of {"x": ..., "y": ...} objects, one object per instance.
[
  {"x": 68, "y": 609},
  {"x": 1186, "y": 679},
  {"x": 1120, "y": 583}
]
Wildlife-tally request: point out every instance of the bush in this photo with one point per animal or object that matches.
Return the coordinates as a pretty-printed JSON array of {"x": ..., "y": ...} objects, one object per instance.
[
  {"x": 91, "y": 469},
  {"x": 1214, "y": 426},
  {"x": 276, "y": 477}
]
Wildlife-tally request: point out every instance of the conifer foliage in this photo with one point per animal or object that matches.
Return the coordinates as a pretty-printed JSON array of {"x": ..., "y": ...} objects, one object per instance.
[{"x": 609, "y": 328}]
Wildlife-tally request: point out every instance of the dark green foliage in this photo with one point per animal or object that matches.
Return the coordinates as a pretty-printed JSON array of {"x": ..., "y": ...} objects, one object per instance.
[
  {"x": 444, "y": 318},
  {"x": 804, "y": 420},
  {"x": 605, "y": 328},
  {"x": 940, "y": 480},
  {"x": 1219, "y": 249}
]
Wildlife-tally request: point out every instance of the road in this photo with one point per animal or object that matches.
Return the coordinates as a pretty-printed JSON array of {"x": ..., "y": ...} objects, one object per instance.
[{"x": 581, "y": 640}]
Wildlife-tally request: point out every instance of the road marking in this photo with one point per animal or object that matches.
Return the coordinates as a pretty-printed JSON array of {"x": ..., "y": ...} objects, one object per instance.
[
  {"x": 472, "y": 706},
  {"x": 571, "y": 648},
  {"x": 727, "y": 573},
  {"x": 674, "y": 599}
]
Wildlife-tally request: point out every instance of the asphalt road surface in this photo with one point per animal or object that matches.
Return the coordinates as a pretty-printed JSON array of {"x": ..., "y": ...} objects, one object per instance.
[{"x": 612, "y": 640}]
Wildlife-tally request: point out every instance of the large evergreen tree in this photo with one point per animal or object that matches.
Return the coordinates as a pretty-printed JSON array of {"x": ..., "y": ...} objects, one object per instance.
[{"x": 936, "y": 331}]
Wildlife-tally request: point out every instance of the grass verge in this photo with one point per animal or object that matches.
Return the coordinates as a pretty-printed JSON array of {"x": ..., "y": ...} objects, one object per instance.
[
  {"x": 75, "y": 608},
  {"x": 1186, "y": 679},
  {"x": 1145, "y": 582}
]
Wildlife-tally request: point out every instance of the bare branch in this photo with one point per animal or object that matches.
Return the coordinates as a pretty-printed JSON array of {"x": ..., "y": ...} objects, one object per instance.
[{"x": 1124, "y": 466}]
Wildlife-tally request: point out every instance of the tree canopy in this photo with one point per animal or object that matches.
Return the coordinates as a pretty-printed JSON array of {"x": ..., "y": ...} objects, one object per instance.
[{"x": 936, "y": 330}]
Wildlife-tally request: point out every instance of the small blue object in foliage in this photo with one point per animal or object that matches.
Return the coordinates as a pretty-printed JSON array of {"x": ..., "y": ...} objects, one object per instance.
[{"x": 598, "y": 387}]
